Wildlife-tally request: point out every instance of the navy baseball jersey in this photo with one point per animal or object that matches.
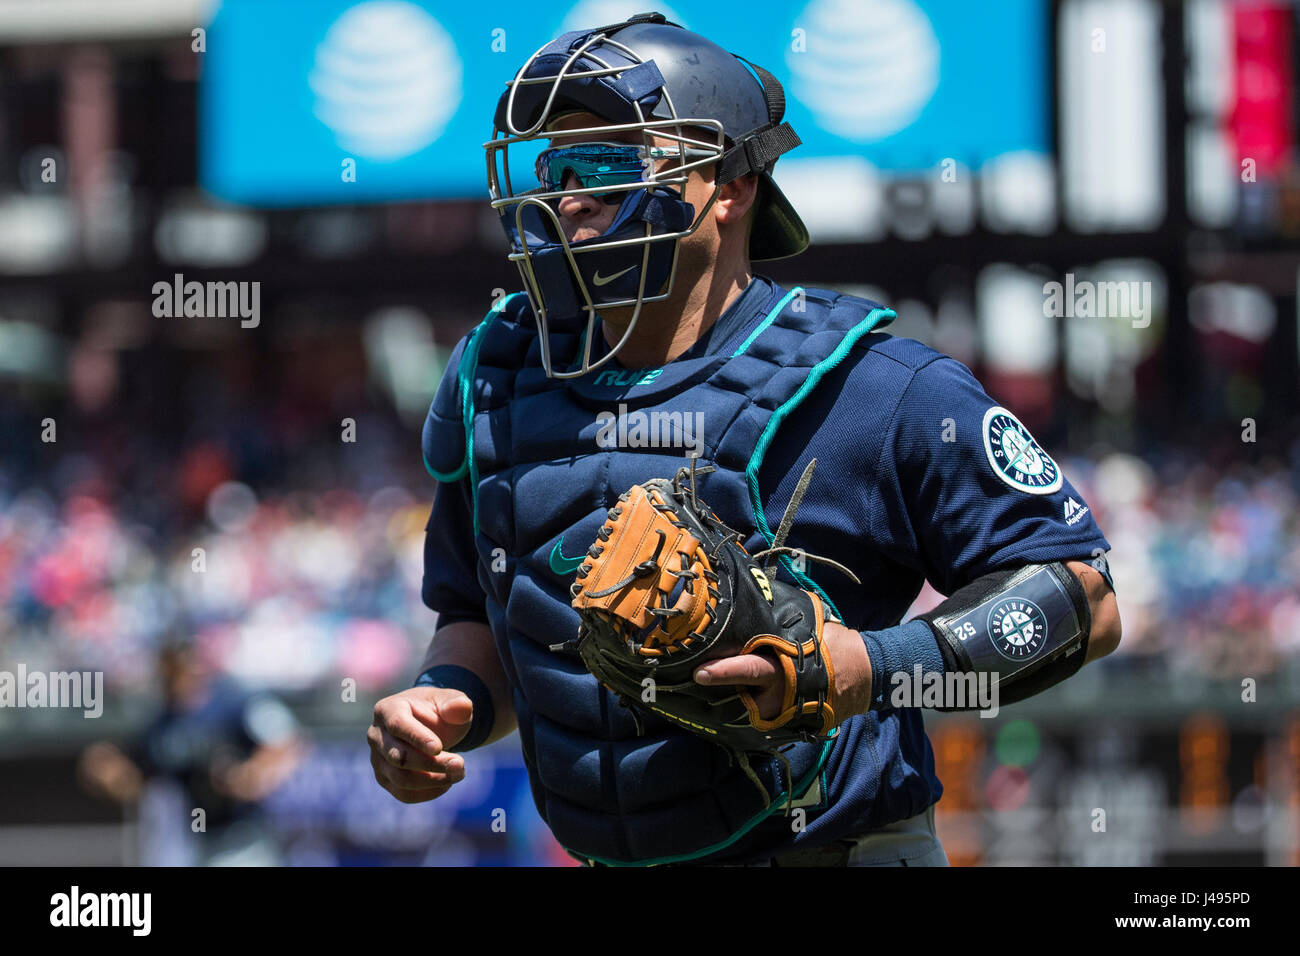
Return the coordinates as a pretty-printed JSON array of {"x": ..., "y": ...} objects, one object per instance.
[{"x": 921, "y": 475}]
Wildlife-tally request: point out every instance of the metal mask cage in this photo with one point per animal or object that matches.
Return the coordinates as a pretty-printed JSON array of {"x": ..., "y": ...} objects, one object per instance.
[{"x": 674, "y": 178}]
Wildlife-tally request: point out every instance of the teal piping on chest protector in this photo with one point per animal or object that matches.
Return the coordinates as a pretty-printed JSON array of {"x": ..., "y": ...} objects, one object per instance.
[
  {"x": 465, "y": 381},
  {"x": 769, "y": 431}
]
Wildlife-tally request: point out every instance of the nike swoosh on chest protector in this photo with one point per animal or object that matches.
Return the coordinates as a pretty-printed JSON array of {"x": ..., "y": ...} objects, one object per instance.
[{"x": 562, "y": 565}]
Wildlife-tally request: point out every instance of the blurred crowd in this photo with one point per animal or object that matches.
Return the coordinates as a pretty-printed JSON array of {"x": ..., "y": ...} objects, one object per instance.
[
  {"x": 1205, "y": 556},
  {"x": 311, "y": 578},
  {"x": 285, "y": 591}
]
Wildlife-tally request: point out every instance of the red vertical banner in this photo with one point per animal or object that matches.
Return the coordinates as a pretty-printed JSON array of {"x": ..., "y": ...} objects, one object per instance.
[{"x": 1261, "y": 120}]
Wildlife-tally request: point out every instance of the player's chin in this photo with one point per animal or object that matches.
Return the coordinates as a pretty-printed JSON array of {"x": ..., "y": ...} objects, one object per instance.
[{"x": 583, "y": 233}]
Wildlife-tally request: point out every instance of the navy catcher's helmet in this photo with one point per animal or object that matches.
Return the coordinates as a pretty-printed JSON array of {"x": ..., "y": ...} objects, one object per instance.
[{"x": 654, "y": 77}]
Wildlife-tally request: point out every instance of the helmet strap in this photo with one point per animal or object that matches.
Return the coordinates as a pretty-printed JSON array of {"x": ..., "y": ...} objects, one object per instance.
[{"x": 758, "y": 151}]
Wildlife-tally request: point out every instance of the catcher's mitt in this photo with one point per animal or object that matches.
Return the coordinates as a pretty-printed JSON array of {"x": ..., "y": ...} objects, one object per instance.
[{"x": 668, "y": 587}]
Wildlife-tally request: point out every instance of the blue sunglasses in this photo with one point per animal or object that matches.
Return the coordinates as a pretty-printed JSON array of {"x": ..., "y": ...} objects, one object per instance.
[{"x": 603, "y": 164}]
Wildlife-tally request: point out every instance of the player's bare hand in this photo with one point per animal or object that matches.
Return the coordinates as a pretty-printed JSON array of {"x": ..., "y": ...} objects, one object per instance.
[
  {"x": 762, "y": 674},
  {"x": 409, "y": 739}
]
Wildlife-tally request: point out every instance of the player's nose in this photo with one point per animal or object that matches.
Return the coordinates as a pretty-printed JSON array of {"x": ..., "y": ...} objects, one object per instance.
[{"x": 577, "y": 207}]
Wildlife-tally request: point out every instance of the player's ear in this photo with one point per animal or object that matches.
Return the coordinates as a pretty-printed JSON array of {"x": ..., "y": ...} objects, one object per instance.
[{"x": 736, "y": 198}]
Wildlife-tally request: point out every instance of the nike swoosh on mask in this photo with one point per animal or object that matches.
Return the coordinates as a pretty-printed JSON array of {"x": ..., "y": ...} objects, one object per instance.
[{"x": 597, "y": 279}]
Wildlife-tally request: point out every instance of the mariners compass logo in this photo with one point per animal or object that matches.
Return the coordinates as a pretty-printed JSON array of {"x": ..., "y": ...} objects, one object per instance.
[
  {"x": 1016, "y": 458},
  {"x": 1017, "y": 627}
]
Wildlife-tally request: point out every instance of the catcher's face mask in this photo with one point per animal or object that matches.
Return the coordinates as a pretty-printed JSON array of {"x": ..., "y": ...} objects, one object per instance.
[{"x": 634, "y": 260}]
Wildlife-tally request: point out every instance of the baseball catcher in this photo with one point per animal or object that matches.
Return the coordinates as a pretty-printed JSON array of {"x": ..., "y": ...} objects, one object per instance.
[{"x": 762, "y": 658}]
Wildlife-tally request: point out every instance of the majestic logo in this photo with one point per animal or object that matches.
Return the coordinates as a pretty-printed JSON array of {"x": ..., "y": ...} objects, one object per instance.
[
  {"x": 1074, "y": 511},
  {"x": 1018, "y": 628},
  {"x": 560, "y": 564},
  {"x": 1016, "y": 458},
  {"x": 598, "y": 279}
]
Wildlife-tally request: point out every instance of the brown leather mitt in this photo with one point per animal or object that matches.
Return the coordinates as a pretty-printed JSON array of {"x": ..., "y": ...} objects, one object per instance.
[{"x": 668, "y": 587}]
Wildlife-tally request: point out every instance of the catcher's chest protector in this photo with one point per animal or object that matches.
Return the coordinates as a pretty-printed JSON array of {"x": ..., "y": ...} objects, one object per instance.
[{"x": 548, "y": 459}]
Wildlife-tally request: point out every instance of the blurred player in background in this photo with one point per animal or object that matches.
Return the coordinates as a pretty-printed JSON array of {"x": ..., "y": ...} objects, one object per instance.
[{"x": 212, "y": 747}]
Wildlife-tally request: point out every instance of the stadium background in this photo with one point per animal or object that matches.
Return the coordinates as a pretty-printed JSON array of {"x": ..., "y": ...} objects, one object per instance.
[{"x": 956, "y": 163}]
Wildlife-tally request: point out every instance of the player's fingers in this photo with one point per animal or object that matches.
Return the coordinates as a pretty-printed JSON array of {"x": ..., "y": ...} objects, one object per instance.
[
  {"x": 393, "y": 778},
  {"x": 448, "y": 714},
  {"x": 418, "y": 722},
  {"x": 751, "y": 669},
  {"x": 402, "y": 755}
]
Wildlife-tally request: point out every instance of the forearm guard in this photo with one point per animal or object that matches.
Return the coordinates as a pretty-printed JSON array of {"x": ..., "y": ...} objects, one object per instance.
[{"x": 1029, "y": 626}]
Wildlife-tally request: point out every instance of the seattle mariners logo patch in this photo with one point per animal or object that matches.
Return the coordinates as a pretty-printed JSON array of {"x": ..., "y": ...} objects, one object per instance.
[
  {"x": 1017, "y": 628},
  {"x": 1016, "y": 458}
]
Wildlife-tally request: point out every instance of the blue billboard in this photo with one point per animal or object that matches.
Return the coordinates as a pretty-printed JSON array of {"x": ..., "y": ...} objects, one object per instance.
[{"x": 306, "y": 102}]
